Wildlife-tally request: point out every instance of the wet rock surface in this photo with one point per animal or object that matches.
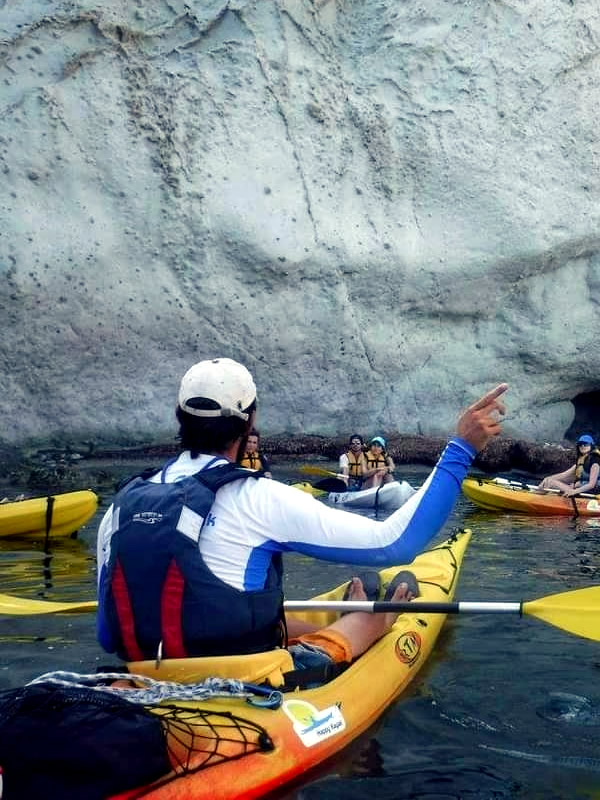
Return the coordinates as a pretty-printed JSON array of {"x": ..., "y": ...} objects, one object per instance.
[{"x": 66, "y": 467}]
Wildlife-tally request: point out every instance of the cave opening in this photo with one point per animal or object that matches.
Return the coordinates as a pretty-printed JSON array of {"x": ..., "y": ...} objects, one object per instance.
[{"x": 587, "y": 416}]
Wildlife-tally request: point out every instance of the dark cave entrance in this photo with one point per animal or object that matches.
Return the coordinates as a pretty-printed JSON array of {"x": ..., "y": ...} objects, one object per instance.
[{"x": 587, "y": 416}]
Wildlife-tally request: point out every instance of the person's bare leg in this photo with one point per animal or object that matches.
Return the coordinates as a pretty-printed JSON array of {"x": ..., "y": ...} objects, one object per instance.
[
  {"x": 297, "y": 627},
  {"x": 553, "y": 483},
  {"x": 373, "y": 481},
  {"x": 362, "y": 629}
]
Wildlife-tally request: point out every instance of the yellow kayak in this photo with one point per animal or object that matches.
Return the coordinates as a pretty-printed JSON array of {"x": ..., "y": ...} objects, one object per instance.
[
  {"x": 225, "y": 748},
  {"x": 524, "y": 498},
  {"x": 63, "y": 513}
]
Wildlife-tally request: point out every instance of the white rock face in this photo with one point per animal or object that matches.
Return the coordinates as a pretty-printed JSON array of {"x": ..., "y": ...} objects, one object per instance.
[{"x": 381, "y": 208}]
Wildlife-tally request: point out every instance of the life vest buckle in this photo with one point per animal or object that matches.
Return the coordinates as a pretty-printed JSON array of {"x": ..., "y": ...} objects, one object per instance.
[{"x": 159, "y": 654}]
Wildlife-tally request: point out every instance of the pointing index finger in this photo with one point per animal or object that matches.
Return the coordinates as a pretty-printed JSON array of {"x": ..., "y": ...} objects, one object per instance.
[{"x": 490, "y": 396}]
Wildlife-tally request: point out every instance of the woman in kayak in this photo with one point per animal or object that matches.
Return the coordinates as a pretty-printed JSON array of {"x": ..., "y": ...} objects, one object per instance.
[
  {"x": 252, "y": 457},
  {"x": 583, "y": 476},
  {"x": 379, "y": 465},
  {"x": 190, "y": 556}
]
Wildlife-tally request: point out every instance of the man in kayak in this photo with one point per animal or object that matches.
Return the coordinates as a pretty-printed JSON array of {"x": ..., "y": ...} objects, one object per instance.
[
  {"x": 352, "y": 463},
  {"x": 190, "y": 556}
]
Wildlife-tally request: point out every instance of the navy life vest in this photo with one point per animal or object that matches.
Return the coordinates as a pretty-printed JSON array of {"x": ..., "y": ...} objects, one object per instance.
[{"x": 156, "y": 593}]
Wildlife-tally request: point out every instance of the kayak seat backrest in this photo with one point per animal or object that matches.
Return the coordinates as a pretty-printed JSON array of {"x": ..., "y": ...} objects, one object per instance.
[{"x": 265, "y": 667}]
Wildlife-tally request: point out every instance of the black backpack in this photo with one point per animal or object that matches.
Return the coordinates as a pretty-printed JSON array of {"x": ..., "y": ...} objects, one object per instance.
[{"x": 71, "y": 743}]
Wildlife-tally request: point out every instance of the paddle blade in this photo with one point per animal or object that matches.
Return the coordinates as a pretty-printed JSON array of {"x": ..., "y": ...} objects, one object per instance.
[
  {"x": 577, "y": 612},
  {"x": 24, "y": 606},
  {"x": 310, "y": 469},
  {"x": 309, "y": 489},
  {"x": 331, "y": 485}
]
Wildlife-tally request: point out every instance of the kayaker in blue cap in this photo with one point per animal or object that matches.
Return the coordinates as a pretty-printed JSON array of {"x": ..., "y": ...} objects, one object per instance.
[
  {"x": 584, "y": 476},
  {"x": 190, "y": 555},
  {"x": 380, "y": 466}
]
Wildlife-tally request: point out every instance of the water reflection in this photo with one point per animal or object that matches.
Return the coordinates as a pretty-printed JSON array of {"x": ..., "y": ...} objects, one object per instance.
[
  {"x": 506, "y": 707},
  {"x": 63, "y": 568}
]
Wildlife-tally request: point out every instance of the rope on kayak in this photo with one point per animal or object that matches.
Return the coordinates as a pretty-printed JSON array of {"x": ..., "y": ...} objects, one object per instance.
[
  {"x": 154, "y": 692},
  {"x": 49, "y": 513}
]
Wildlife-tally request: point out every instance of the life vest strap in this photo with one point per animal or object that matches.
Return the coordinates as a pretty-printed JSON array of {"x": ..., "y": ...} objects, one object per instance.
[
  {"x": 171, "y": 605},
  {"x": 125, "y": 615},
  {"x": 307, "y": 678}
]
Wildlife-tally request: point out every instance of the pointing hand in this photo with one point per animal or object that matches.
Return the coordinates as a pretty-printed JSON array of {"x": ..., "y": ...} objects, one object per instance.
[{"x": 481, "y": 420}]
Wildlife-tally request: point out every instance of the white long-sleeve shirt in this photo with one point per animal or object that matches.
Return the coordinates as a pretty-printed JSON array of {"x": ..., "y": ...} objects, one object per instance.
[{"x": 250, "y": 519}]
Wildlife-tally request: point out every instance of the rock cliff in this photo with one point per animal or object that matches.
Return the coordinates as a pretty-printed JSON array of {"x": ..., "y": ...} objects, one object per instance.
[{"x": 381, "y": 208}]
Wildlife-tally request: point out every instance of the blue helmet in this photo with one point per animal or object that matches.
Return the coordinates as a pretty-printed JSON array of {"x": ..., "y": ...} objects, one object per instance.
[
  {"x": 378, "y": 440},
  {"x": 586, "y": 439}
]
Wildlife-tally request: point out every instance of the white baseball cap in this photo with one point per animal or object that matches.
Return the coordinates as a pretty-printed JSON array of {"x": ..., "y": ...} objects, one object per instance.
[{"x": 222, "y": 380}]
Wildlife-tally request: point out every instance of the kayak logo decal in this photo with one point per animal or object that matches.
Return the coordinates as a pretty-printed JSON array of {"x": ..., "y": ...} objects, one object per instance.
[
  {"x": 311, "y": 725},
  {"x": 408, "y": 647},
  {"x": 148, "y": 517},
  {"x": 593, "y": 505}
]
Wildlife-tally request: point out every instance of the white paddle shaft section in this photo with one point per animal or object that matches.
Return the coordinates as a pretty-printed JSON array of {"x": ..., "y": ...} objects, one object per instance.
[
  {"x": 489, "y": 608},
  {"x": 413, "y": 606}
]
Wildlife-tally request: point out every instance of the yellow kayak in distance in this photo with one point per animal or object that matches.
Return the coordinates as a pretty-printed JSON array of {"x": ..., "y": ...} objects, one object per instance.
[
  {"x": 504, "y": 496},
  {"x": 61, "y": 514},
  {"x": 224, "y": 747}
]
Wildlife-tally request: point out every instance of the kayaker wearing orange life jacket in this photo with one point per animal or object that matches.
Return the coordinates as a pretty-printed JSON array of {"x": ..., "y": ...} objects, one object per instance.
[
  {"x": 252, "y": 458},
  {"x": 379, "y": 465},
  {"x": 583, "y": 476},
  {"x": 190, "y": 555},
  {"x": 352, "y": 463}
]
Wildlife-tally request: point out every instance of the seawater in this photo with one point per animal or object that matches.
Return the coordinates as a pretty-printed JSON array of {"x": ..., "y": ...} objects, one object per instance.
[{"x": 506, "y": 707}]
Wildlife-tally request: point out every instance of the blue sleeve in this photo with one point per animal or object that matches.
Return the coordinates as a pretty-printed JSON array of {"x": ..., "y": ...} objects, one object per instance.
[
  {"x": 433, "y": 508},
  {"x": 350, "y": 538}
]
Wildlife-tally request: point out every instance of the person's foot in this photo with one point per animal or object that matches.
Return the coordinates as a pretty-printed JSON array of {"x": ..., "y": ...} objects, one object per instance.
[
  {"x": 404, "y": 576},
  {"x": 364, "y": 586},
  {"x": 367, "y": 581},
  {"x": 355, "y": 590},
  {"x": 402, "y": 593}
]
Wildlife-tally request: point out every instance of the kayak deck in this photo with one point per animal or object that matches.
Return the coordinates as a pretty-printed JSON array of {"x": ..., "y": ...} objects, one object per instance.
[
  {"x": 390, "y": 496},
  {"x": 29, "y": 518},
  {"x": 224, "y": 748},
  {"x": 500, "y": 497}
]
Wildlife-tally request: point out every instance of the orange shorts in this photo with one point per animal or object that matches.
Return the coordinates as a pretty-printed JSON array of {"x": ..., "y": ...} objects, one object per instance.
[{"x": 332, "y": 642}]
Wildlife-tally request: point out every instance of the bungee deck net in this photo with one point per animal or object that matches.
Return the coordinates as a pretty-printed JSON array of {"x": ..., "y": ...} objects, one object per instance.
[{"x": 197, "y": 739}]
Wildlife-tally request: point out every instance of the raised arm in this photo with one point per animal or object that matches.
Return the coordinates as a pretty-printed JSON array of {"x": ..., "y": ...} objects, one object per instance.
[
  {"x": 323, "y": 532},
  {"x": 344, "y": 467}
]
